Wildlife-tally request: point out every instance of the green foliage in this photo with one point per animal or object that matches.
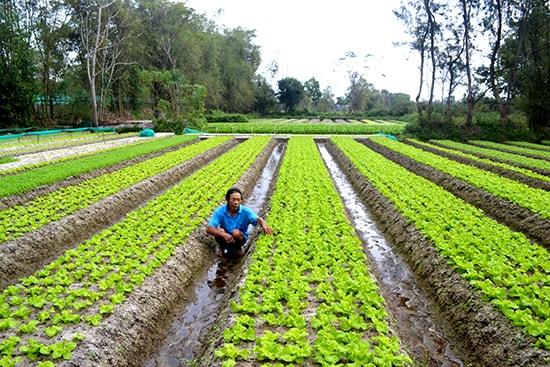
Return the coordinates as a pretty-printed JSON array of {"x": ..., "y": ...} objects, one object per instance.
[
  {"x": 290, "y": 93},
  {"x": 220, "y": 116},
  {"x": 17, "y": 85}
]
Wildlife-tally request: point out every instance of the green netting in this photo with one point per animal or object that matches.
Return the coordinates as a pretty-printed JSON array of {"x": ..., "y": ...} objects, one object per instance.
[
  {"x": 192, "y": 131},
  {"x": 11, "y": 136},
  {"x": 50, "y": 132}
]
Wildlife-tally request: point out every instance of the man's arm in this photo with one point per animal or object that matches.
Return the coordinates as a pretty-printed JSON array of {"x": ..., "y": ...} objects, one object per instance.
[
  {"x": 219, "y": 232},
  {"x": 264, "y": 226}
]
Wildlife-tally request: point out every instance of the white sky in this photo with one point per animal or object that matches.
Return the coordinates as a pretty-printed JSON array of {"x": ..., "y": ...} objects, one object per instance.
[{"x": 308, "y": 37}]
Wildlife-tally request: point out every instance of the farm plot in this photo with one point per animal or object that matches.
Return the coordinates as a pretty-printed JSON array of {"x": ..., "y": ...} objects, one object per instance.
[
  {"x": 524, "y": 175},
  {"x": 491, "y": 282},
  {"x": 308, "y": 297},
  {"x": 503, "y": 286},
  {"x": 539, "y": 165},
  {"x": 85, "y": 284},
  {"x": 513, "y": 203}
]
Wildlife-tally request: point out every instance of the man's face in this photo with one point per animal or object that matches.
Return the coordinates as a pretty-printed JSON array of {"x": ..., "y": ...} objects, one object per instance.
[{"x": 234, "y": 201}]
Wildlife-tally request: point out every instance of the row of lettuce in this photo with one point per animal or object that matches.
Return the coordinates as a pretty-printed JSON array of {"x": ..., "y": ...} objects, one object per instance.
[
  {"x": 84, "y": 285},
  {"x": 303, "y": 128},
  {"x": 535, "y": 200},
  {"x": 511, "y": 272},
  {"x": 18, "y": 220},
  {"x": 308, "y": 295}
]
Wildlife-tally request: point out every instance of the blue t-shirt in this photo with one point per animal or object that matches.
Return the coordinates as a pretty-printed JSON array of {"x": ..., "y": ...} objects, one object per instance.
[{"x": 242, "y": 219}]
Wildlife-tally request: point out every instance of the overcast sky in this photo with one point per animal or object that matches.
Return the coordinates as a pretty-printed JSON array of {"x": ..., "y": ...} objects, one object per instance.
[{"x": 307, "y": 38}]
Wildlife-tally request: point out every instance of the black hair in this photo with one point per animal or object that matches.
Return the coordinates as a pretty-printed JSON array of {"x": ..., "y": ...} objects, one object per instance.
[{"x": 232, "y": 191}]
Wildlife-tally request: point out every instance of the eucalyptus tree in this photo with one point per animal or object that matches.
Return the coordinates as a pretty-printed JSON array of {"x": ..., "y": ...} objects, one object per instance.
[
  {"x": 17, "y": 85},
  {"x": 419, "y": 18},
  {"x": 531, "y": 24},
  {"x": 357, "y": 92},
  {"x": 313, "y": 90},
  {"x": 102, "y": 27},
  {"x": 238, "y": 64},
  {"x": 468, "y": 9},
  {"x": 51, "y": 35}
]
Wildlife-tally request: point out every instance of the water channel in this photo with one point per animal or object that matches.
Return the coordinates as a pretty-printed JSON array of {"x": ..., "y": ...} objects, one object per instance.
[{"x": 409, "y": 306}]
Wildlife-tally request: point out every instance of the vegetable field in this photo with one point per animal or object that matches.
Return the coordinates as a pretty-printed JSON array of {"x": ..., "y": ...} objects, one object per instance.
[{"x": 98, "y": 252}]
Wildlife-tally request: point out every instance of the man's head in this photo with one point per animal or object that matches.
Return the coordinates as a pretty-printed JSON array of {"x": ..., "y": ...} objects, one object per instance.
[
  {"x": 231, "y": 191},
  {"x": 234, "y": 196}
]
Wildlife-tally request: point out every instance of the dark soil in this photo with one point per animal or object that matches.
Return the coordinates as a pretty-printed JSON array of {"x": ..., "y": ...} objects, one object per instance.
[
  {"x": 22, "y": 256},
  {"x": 512, "y": 215},
  {"x": 484, "y": 334}
]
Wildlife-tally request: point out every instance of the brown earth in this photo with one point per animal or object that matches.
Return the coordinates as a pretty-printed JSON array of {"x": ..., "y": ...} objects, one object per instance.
[
  {"x": 516, "y": 176},
  {"x": 22, "y": 256},
  {"x": 512, "y": 215}
]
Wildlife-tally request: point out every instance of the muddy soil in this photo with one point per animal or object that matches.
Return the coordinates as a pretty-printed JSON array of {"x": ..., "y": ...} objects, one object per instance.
[
  {"x": 516, "y": 176},
  {"x": 512, "y": 215},
  {"x": 128, "y": 336},
  {"x": 22, "y": 256},
  {"x": 487, "y": 336}
]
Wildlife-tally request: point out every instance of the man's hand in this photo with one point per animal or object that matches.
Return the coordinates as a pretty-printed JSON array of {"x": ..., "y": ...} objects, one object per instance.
[{"x": 265, "y": 227}]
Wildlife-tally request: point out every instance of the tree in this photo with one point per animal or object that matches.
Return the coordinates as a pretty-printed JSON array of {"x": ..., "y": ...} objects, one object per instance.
[
  {"x": 265, "y": 101},
  {"x": 357, "y": 92},
  {"x": 51, "y": 34},
  {"x": 17, "y": 86},
  {"x": 418, "y": 17},
  {"x": 313, "y": 90},
  {"x": 100, "y": 26},
  {"x": 532, "y": 40},
  {"x": 291, "y": 92},
  {"x": 466, "y": 7}
]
